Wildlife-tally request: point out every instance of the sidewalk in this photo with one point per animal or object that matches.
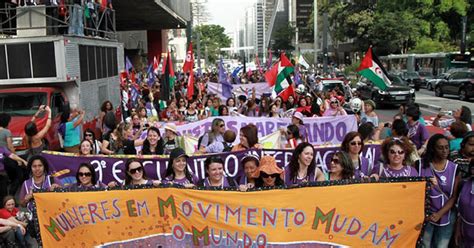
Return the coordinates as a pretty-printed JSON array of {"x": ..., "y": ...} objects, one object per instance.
[{"x": 437, "y": 104}]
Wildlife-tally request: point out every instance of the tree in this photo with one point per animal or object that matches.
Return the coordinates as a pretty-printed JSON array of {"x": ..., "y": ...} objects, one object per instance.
[
  {"x": 213, "y": 38},
  {"x": 283, "y": 38}
]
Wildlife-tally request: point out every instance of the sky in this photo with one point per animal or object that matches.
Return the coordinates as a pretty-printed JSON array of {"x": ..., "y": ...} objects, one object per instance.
[{"x": 227, "y": 12}]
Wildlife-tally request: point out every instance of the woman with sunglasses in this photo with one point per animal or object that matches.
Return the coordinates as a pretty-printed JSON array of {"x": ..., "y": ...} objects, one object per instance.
[
  {"x": 86, "y": 179},
  {"x": 181, "y": 106},
  {"x": 302, "y": 167},
  {"x": 250, "y": 164},
  {"x": 177, "y": 172},
  {"x": 341, "y": 167},
  {"x": 96, "y": 144},
  {"x": 269, "y": 174},
  {"x": 135, "y": 174},
  {"x": 215, "y": 178},
  {"x": 394, "y": 152},
  {"x": 293, "y": 137},
  {"x": 215, "y": 135},
  {"x": 443, "y": 193},
  {"x": 353, "y": 146},
  {"x": 40, "y": 180},
  {"x": 334, "y": 108}
]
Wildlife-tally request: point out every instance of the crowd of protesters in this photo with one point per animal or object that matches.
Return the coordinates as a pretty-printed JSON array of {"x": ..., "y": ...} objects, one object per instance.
[{"x": 407, "y": 149}]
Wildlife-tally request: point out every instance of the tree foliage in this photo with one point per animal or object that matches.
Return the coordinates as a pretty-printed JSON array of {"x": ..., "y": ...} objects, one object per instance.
[
  {"x": 398, "y": 26},
  {"x": 213, "y": 38},
  {"x": 283, "y": 38}
]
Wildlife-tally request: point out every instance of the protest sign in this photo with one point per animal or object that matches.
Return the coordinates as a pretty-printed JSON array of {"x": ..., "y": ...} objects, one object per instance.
[
  {"x": 240, "y": 89},
  {"x": 111, "y": 168},
  {"x": 328, "y": 216}
]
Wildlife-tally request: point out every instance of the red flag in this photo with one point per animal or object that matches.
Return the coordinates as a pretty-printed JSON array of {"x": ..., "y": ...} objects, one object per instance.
[
  {"x": 189, "y": 63},
  {"x": 287, "y": 92},
  {"x": 191, "y": 85},
  {"x": 271, "y": 75},
  {"x": 166, "y": 62},
  {"x": 103, "y": 4},
  {"x": 155, "y": 65},
  {"x": 123, "y": 78}
]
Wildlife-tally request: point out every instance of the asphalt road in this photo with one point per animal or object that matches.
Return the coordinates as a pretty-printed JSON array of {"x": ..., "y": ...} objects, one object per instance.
[{"x": 430, "y": 105}]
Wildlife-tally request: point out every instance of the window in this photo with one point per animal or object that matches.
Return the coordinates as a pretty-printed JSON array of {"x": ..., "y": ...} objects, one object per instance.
[{"x": 97, "y": 62}]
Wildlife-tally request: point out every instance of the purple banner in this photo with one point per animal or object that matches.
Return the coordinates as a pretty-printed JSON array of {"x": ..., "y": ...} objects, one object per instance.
[
  {"x": 240, "y": 89},
  {"x": 111, "y": 168},
  {"x": 320, "y": 130}
]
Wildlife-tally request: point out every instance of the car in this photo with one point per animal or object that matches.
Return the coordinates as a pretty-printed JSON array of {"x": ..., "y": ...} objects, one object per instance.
[
  {"x": 431, "y": 84},
  {"x": 397, "y": 93},
  {"x": 413, "y": 78},
  {"x": 425, "y": 76},
  {"x": 460, "y": 83}
]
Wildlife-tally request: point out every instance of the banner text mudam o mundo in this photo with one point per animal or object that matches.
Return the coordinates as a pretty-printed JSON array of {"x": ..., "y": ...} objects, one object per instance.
[{"x": 358, "y": 215}]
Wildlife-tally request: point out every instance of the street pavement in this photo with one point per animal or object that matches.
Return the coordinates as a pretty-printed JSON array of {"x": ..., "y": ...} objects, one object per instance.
[{"x": 430, "y": 105}]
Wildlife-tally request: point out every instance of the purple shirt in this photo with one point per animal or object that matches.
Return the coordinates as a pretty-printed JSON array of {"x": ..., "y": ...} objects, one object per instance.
[
  {"x": 418, "y": 134},
  {"x": 4, "y": 152},
  {"x": 466, "y": 213},
  {"x": 225, "y": 183},
  {"x": 405, "y": 171},
  {"x": 363, "y": 169},
  {"x": 310, "y": 177},
  {"x": 29, "y": 186},
  {"x": 183, "y": 181},
  {"x": 440, "y": 194}
]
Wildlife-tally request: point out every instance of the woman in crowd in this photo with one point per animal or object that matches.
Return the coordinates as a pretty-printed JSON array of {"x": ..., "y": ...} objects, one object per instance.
[
  {"x": 178, "y": 172},
  {"x": 172, "y": 140},
  {"x": 278, "y": 103},
  {"x": 141, "y": 111},
  {"x": 216, "y": 102},
  {"x": 171, "y": 112},
  {"x": 264, "y": 108},
  {"x": 334, "y": 108},
  {"x": 293, "y": 136},
  {"x": 153, "y": 144},
  {"x": 302, "y": 167},
  {"x": 457, "y": 129},
  {"x": 341, "y": 167},
  {"x": 248, "y": 138},
  {"x": 85, "y": 148},
  {"x": 462, "y": 114},
  {"x": 230, "y": 103},
  {"x": 443, "y": 192},
  {"x": 136, "y": 124},
  {"x": 223, "y": 110},
  {"x": 274, "y": 111},
  {"x": 400, "y": 130},
  {"x": 368, "y": 113},
  {"x": 290, "y": 102},
  {"x": 40, "y": 180},
  {"x": 394, "y": 152},
  {"x": 86, "y": 178},
  {"x": 215, "y": 135},
  {"x": 104, "y": 109},
  {"x": 207, "y": 108},
  {"x": 269, "y": 174},
  {"x": 191, "y": 114},
  {"x": 215, "y": 178},
  {"x": 34, "y": 138},
  {"x": 181, "y": 106},
  {"x": 9, "y": 212},
  {"x": 304, "y": 107},
  {"x": 464, "y": 233},
  {"x": 135, "y": 174},
  {"x": 96, "y": 144},
  {"x": 121, "y": 141},
  {"x": 72, "y": 130},
  {"x": 297, "y": 119},
  {"x": 417, "y": 132},
  {"x": 354, "y": 145},
  {"x": 250, "y": 165}
]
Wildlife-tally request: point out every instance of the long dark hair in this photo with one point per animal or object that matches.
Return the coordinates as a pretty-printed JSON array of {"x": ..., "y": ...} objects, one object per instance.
[
  {"x": 346, "y": 164},
  {"x": 43, "y": 161},
  {"x": 251, "y": 133},
  {"x": 159, "y": 145},
  {"x": 294, "y": 130},
  {"x": 103, "y": 108},
  {"x": 294, "y": 164},
  {"x": 170, "y": 172},
  {"x": 430, "y": 153},
  {"x": 466, "y": 116},
  {"x": 128, "y": 178},
  {"x": 259, "y": 181},
  {"x": 91, "y": 169},
  {"x": 347, "y": 140}
]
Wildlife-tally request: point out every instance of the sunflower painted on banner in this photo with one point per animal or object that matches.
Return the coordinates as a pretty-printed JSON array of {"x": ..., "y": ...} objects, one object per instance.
[{"x": 279, "y": 76}]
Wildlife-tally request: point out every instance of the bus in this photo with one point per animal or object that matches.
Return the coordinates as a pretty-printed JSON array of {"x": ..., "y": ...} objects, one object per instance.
[{"x": 434, "y": 63}]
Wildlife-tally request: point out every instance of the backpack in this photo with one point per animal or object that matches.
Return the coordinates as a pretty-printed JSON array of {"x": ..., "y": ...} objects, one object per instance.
[{"x": 227, "y": 147}]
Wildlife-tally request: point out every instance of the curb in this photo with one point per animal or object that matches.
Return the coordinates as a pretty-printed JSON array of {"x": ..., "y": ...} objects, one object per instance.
[{"x": 429, "y": 106}]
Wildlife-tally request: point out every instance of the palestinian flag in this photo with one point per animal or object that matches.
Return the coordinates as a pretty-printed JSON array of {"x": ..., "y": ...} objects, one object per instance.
[
  {"x": 169, "y": 78},
  {"x": 279, "y": 77},
  {"x": 373, "y": 70}
]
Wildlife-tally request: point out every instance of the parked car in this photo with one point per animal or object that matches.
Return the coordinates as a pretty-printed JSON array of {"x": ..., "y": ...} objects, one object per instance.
[
  {"x": 425, "y": 76},
  {"x": 413, "y": 78},
  {"x": 459, "y": 83},
  {"x": 399, "y": 92}
]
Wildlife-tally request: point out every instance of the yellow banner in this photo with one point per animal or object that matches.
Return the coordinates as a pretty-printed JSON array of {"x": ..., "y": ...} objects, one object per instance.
[{"x": 358, "y": 215}]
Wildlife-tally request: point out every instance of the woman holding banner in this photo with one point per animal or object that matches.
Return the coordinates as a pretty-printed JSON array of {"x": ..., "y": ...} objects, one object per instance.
[
  {"x": 85, "y": 148},
  {"x": 334, "y": 108},
  {"x": 444, "y": 191},
  {"x": 215, "y": 178},
  {"x": 269, "y": 174},
  {"x": 353, "y": 145},
  {"x": 40, "y": 180},
  {"x": 135, "y": 174},
  {"x": 250, "y": 165},
  {"x": 302, "y": 167},
  {"x": 86, "y": 179},
  {"x": 177, "y": 172},
  {"x": 215, "y": 135},
  {"x": 395, "y": 152},
  {"x": 341, "y": 167}
]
